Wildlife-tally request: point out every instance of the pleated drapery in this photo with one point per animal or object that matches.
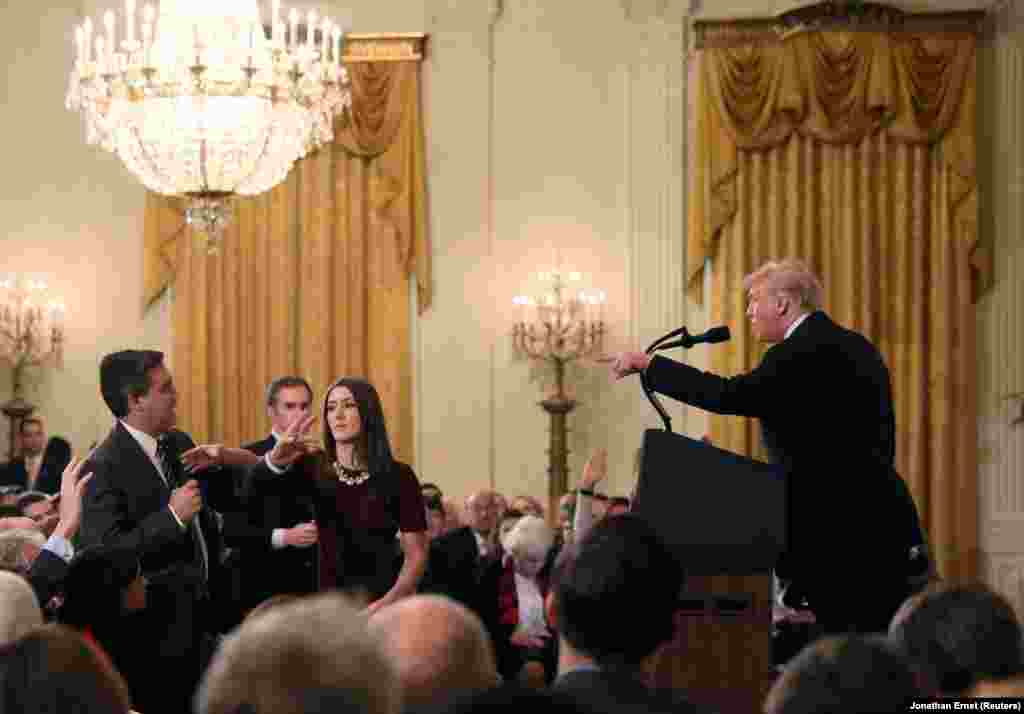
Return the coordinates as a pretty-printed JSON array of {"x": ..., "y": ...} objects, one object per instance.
[
  {"x": 312, "y": 278},
  {"x": 856, "y": 152}
]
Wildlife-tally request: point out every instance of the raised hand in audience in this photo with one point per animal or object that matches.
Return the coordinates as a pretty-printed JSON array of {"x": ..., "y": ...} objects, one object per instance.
[
  {"x": 294, "y": 443},
  {"x": 72, "y": 486},
  {"x": 594, "y": 470}
]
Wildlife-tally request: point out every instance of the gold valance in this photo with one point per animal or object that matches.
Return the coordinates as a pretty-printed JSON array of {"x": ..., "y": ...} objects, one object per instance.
[{"x": 835, "y": 87}]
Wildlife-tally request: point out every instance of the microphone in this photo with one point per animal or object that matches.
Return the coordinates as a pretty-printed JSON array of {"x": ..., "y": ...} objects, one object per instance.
[{"x": 712, "y": 336}]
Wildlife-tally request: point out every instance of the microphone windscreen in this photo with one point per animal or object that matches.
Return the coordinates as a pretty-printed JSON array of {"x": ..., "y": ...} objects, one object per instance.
[{"x": 718, "y": 334}]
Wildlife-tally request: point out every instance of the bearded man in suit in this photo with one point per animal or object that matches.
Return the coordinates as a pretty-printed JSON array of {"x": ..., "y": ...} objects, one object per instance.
[{"x": 824, "y": 399}]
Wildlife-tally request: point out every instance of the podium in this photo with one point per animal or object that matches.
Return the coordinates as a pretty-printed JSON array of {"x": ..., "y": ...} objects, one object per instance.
[{"x": 724, "y": 518}]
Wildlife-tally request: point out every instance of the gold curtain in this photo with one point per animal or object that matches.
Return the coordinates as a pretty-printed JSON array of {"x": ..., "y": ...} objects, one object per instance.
[
  {"x": 312, "y": 277},
  {"x": 856, "y": 152}
]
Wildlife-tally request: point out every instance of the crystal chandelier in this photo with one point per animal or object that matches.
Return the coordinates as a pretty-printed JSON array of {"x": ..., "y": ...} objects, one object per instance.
[
  {"x": 31, "y": 327},
  {"x": 199, "y": 102}
]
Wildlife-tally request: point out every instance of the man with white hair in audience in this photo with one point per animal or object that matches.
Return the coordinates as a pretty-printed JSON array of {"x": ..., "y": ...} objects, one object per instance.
[
  {"x": 19, "y": 548},
  {"x": 308, "y": 656},
  {"x": 440, "y": 649},
  {"x": 19, "y": 608}
]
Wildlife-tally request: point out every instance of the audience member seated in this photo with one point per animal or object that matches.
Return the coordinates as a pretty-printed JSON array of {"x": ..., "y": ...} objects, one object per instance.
[
  {"x": 318, "y": 646},
  {"x": 31, "y": 470},
  {"x": 19, "y": 548},
  {"x": 528, "y": 505},
  {"x": 613, "y": 600},
  {"x": 19, "y": 608},
  {"x": 844, "y": 675},
  {"x": 507, "y": 523},
  {"x": 103, "y": 591},
  {"x": 435, "y": 515},
  {"x": 52, "y": 669},
  {"x": 41, "y": 508},
  {"x": 465, "y": 564},
  {"x": 439, "y": 649},
  {"x": 526, "y": 652},
  {"x": 957, "y": 636}
]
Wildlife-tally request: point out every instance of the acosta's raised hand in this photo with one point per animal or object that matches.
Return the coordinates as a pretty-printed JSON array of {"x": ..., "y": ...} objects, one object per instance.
[{"x": 294, "y": 443}]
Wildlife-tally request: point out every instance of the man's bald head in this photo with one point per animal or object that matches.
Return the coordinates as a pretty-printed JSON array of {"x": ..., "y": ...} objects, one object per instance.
[{"x": 439, "y": 648}]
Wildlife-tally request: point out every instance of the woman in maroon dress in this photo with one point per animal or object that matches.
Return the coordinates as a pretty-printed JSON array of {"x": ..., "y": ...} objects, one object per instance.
[{"x": 363, "y": 497}]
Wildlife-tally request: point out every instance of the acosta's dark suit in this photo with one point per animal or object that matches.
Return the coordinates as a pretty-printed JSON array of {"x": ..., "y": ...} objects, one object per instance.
[
  {"x": 824, "y": 400},
  {"x": 272, "y": 503},
  {"x": 125, "y": 505}
]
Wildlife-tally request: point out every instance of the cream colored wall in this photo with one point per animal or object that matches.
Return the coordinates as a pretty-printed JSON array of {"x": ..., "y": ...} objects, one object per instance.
[
  {"x": 1000, "y": 327},
  {"x": 552, "y": 127},
  {"x": 549, "y": 125},
  {"x": 70, "y": 214}
]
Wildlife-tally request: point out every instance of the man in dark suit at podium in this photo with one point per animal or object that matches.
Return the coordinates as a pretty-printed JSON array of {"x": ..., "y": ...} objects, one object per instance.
[{"x": 824, "y": 399}]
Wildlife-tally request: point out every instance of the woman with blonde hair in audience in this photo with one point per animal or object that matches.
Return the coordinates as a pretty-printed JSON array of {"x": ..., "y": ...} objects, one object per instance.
[{"x": 526, "y": 651}]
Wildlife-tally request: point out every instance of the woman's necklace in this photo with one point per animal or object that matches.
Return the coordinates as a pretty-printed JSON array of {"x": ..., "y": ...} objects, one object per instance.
[{"x": 350, "y": 477}]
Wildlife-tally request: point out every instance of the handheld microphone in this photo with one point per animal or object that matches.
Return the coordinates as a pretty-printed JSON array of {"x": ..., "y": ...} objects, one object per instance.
[{"x": 712, "y": 336}]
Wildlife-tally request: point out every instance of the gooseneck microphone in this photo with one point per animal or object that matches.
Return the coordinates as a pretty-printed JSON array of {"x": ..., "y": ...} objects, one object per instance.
[
  {"x": 712, "y": 336},
  {"x": 686, "y": 341}
]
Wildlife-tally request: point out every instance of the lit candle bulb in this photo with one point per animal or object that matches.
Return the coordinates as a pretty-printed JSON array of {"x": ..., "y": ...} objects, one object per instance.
[
  {"x": 148, "y": 17},
  {"x": 100, "y": 61},
  {"x": 80, "y": 50},
  {"x": 275, "y": 21},
  {"x": 108, "y": 22},
  {"x": 129, "y": 24},
  {"x": 87, "y": 38},
  {"x": 325, "y": 34},
  {"x": 293, "y": 34},
  {"x": 310, "y": 28},
  {"x": 337, "y": 45}
]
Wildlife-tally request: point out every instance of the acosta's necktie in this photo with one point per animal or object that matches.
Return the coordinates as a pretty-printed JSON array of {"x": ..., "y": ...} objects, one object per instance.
[{"x": 175, "y": 476}]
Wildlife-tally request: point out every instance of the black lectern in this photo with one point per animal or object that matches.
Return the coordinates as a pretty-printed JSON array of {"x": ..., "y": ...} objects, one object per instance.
[
  {"x": 724, "y": 516},
  {"x": 721, "y": 513}
]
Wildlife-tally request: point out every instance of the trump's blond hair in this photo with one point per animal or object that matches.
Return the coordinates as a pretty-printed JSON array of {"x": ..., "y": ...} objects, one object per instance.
[{"x": 792, "y": 277}]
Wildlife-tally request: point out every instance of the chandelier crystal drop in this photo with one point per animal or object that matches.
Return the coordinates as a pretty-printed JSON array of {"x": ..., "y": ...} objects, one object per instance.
[{"x": 198, "y": 101}]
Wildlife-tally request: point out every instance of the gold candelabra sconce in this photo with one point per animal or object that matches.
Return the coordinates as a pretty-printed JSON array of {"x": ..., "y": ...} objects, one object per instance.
[{"x": 563, "y": 324}]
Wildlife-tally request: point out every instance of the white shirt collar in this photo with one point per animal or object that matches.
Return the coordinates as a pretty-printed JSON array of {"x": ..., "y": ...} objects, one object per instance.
[
  {"x": 147, "y": 442},
  {"x": 796, "y": 324}
]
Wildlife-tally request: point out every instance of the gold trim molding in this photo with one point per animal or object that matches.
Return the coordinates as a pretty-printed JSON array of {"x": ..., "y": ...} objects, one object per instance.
[
  {"x": 832, "y": 15},
  {"x": 397, "y": 47}
]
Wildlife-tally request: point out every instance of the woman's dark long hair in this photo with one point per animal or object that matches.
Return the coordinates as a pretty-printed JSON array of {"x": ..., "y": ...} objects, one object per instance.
[{"x": 373, "y": 447}]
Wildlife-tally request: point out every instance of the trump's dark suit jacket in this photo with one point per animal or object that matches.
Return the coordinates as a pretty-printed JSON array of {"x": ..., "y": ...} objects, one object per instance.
[{"x": 824, "y": 400}]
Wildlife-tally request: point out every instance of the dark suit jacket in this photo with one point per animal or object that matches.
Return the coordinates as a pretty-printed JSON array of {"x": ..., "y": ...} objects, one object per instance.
[
  {"x": 271, "y": 503},
  {"x": 46, "y": 576},
  {"x": 824, "y": 400},
  {"x": 596, "y": 691},
  {"x": 14, "y": 473},
  {"x": 125, "y": 505},
  {"x": 453, "y": 569}
]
